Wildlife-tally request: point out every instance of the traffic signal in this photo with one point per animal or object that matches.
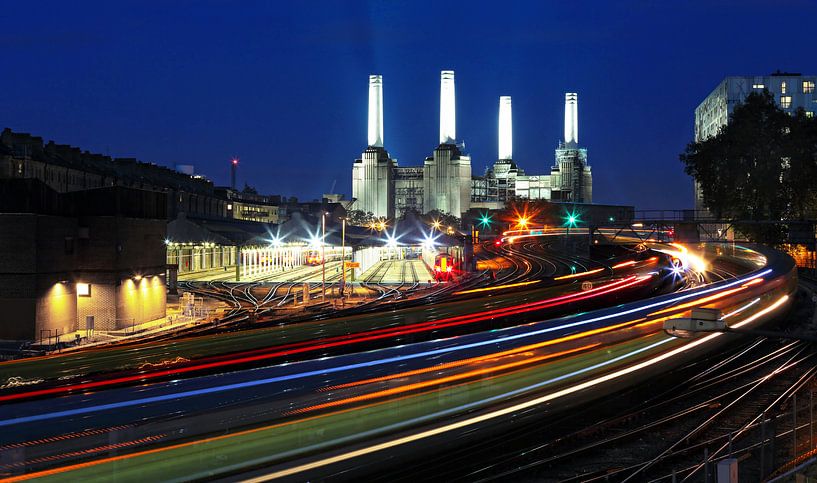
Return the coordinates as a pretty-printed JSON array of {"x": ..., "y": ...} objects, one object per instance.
[
  {"x": 485, "y": 220},
  {"x": 572, "y": 220}
]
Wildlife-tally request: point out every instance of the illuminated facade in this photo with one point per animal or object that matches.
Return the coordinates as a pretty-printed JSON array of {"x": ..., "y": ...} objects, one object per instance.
[
  {"x": 373, "y": 173},
  {"x": 445, "y": 183},
  {"x": 80, "y": 261},
  {"x": 505, "y": 129},
  {"x": 570, "y": 178},
  {"x": 790, "y": 91},
  {"x": 447, "y": 172}
]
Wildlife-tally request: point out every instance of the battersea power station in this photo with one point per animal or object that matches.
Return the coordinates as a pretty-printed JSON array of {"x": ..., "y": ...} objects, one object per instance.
[{"x": 445, "y": 182}]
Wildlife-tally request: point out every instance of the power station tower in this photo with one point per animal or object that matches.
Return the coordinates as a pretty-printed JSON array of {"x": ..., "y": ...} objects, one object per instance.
[
  {"x": 501, "y": 177},
  {"x": 447, "y": 173},
  {"x": 570, "y": 178},
  {"x": 373, "y": 173}
]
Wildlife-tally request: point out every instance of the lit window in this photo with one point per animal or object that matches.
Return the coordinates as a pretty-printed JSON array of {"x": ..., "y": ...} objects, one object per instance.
[
  {"x": 809, "y": 113},
  {"x": 808, "y": 87},
  {"x": 783, "y": 87},
  {"x": 83, "y": 290},
  {"x": 785, "y": 102},
  {"x": 229, "y": 206},
  {"x": 758, "y": 86}
]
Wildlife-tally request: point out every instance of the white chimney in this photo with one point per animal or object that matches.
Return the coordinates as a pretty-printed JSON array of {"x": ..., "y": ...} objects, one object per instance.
[
  {"x": 448, "y": 117},
  {"x": 505, "y": 128},
  {"x": 376, "y": 110},
  {"x": 571, "y": 118}
]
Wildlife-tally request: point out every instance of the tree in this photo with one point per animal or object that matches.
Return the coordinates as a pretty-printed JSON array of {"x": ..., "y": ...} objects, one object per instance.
[
  {"x": 802, "y": 160},
  {"x": 359, "y": 217},
  {"x": 445, "y": 219},
  {"x": 758, "y": 166}
]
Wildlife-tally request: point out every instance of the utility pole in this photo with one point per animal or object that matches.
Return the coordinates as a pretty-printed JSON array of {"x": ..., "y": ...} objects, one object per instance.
[
  {"x": 233, "y": 167},
  {"x": 323, "y": 257},
  {"x": 343, "y": 257}
]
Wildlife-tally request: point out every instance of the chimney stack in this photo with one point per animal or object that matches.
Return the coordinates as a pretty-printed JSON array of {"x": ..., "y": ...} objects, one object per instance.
[
  {"x": 571, "y": 118},
  {"x": 505, "y": 128},
  {"x": 376, "y": 111},
  {"x": 448, "y": 130}
]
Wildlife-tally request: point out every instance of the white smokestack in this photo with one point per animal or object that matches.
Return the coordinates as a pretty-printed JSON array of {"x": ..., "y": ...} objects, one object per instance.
[
  {"x": 571, "y": 118},
  {"x": 376, "y": 110},
  {"x": 448, "y": 117},
  {"x": 505, "y": 128}
]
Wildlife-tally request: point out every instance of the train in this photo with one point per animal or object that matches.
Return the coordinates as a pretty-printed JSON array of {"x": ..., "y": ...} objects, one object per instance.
[{"x": 445, "y": 266}]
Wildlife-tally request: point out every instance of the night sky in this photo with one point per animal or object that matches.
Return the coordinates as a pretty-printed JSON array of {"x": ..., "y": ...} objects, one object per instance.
[{"x": 283, "y": 85}]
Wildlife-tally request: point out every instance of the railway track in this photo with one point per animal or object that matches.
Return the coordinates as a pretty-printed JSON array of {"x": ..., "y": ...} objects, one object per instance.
[{"x": 729, "y": 405}]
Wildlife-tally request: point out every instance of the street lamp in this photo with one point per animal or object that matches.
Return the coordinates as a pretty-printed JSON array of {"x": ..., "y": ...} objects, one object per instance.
[
  {"x": 436, "y": 225},
  {"x": 343, "y": 256},
  {"x": 323, "y": 256}
]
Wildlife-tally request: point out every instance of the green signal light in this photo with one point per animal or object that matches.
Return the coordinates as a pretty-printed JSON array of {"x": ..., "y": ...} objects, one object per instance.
[
  {"x": 572, "y": 220},
  {"x": 485, "y": 220}
]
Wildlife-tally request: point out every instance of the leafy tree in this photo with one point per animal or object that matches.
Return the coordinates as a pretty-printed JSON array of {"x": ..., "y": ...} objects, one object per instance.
[
  {"x": 758, "y": 166},
  {"x": 359, "y": 217},
  {"x": 445, "y": 219}
]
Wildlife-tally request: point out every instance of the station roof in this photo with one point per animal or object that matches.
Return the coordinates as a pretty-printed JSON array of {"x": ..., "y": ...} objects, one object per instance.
[{"x": 300, "y": 228}]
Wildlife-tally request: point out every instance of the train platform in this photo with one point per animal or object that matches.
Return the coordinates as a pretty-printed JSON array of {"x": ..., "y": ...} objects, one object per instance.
[
  {"x": 397, "y": 271},
  {"x": 302, "y": 273}
]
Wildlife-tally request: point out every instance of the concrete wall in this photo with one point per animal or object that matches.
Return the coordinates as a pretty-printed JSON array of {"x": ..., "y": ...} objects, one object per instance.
[
  {"x": 56, "y": 310},
  {"x": 42, "y": 258},
  {"x": 101, "y": 305},
  {"x": 140, "y": 301}
]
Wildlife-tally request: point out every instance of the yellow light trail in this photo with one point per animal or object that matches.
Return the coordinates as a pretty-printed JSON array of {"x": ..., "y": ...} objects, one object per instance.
[
  {"x": 582, "y": 274},
  {"x": 447, "y": 365},
  {"x": 624, "y": 264},
  {"x": 510, "y": 409},
  {"x": 435, "y": 382},
  {"x": 706, "y": 300},
  {"x": 498, "y": 287}
]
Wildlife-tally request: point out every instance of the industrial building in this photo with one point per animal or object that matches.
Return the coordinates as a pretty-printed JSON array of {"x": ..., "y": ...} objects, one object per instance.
[
  {"x": 791, "y": 91},
  {"x": 445, "y": 182},
  {"x": 79, "y": 261},
  {"x": 570, "y": 178}
]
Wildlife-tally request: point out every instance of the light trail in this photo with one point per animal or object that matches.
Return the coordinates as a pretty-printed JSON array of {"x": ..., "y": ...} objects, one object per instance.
[
  {"x": 497, "y": 287},
  {"x": 516, "y": 407},
  {"x": 440, "y": 380},
  {"x": 338, "y": 341},
  {"x": 456, "y": 425},
  {"x": 580, "y": 274},
  {"x": 330, "y": 370}
]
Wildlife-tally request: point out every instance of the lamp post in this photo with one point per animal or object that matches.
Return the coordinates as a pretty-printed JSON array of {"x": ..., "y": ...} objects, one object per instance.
[
  {"x": 343, "y": 256},
  {"x": 323, "y": 257}
]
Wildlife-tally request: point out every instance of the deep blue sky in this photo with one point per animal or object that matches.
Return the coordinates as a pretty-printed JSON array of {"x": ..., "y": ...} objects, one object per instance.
[{"x": 283, "y": 85}]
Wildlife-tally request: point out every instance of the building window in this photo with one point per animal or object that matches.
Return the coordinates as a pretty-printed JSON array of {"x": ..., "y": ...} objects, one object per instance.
[
  {"x": 808, "y": 87},
  {"x": 809, "y": 113},
  {"x": 783, "y": 87},
  {"x": 758, "y": 86},
  {"x": 785, "y": 102},
  {"x": 83, "y": 290}
]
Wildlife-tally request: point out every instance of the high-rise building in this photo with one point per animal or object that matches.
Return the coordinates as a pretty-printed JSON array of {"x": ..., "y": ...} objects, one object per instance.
[
  {"x": 373, "y": 173},
  {"x": 790, "y": 91}
]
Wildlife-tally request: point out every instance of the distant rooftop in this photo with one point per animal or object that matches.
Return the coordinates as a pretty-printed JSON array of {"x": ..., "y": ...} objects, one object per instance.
[{"x": 777, "y": 73}]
